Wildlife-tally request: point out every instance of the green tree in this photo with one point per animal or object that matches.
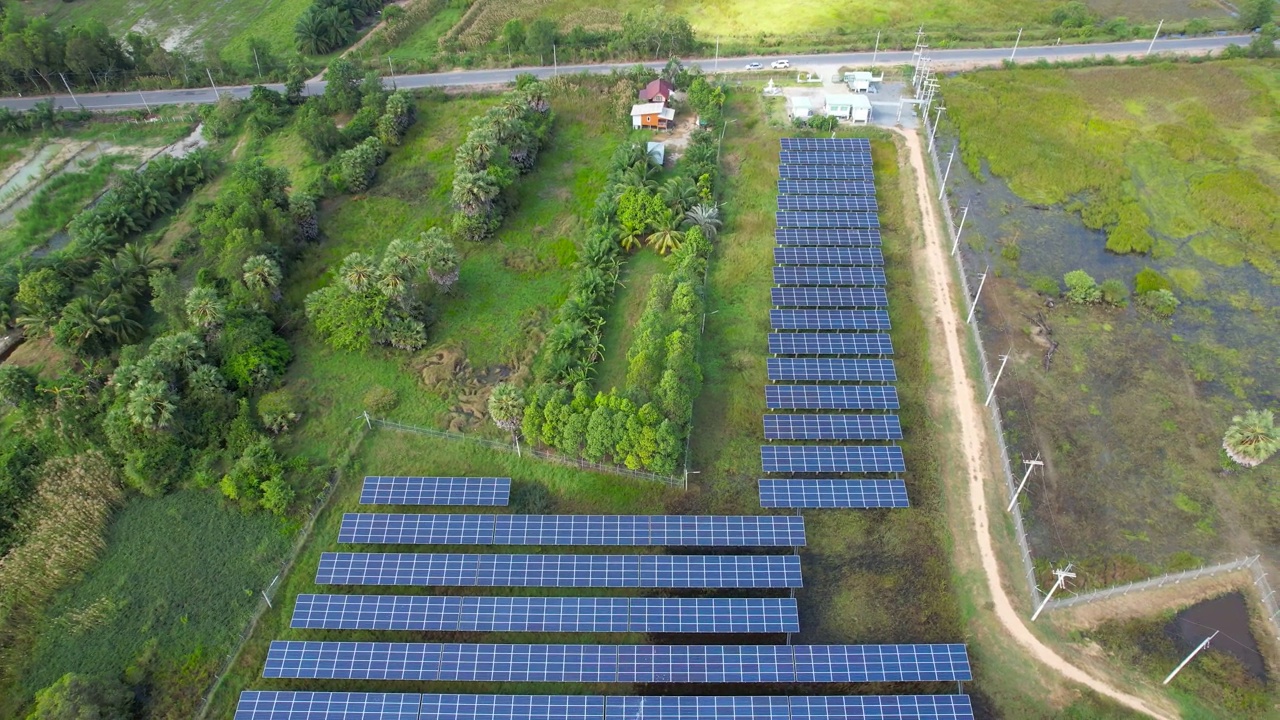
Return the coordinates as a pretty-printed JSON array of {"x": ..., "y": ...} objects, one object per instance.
[
  {"x": 704, "y": 217},
  {"x": 92, "y": 328},
  {"x": 152, "y": 405},
  {"x": 1082, "y": 289},
  {"x": 1255, "y": 13},
  {"x": 1252, "y": 438},
  {"x": 347, "y": 320},
  {"x": 666, "y": 235},
  {"x": 506, "y": 407},
  {"x": 679, "y": 193},
  {"x": 1074, "y": 14},
  {"x": 358, "y": 272},
  {"x": 317, "y": 130},
  {"x": 541, "y": 37},
  {"x": 17, "y": 385},
  {"x": 442, "y": 261},
  {"x": 40, "y": 295},
  {"x": 262, "y": 276},
  {"x": 513, "y": 35},
  {"x": 358, "y": 165},
  {"x": 78, "y": 697},
  {"x": 205, "y": 309},
  {"x": 342, "y": 91}
]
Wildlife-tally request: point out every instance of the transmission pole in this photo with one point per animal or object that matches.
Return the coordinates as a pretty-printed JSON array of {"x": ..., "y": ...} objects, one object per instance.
[
  {"x": 875, "y": 52},
  {"x": 974, "y": 306},
  {"x": 942, "y": 186},
  {"x": 255, "y": 62},
  {"x": 964, "y": 213},
  {"x": 1015, "y": 45},
  {"x": 1003, "y": 359},
  {"x": 394, "y": 86},
  {"x": 937, "y": 118},
  {"x": 211, "y": 82},
  {"x": 1195, "y": 652},
  {"x": 1059, "y": 583},
  {"x": 1153, "y": 39},
  {"x": 68, "y": 87},
  {"x": 1031, "y": 465},
  {"x": 143, "y": 98}
]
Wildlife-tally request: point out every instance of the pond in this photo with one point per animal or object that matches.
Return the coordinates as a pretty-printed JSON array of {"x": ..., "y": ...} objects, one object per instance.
[{"x": 1228, "y": 615}]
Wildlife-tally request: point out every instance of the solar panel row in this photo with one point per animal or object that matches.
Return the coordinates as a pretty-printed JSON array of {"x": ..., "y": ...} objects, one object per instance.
[
  {"x": 828, "y": 172},
  {"x": 832, "y": 427},
  {"x": 291, "y": 705},
  {"x": 852, "y": 237},
  {"x": 546, "y": 614},
  {"x": 616, "y": 663},
  {"x": 612, "y": 530},
  {"x": 792, "y": 493},
  {"x": 847, "y": 203},
  {"x": 829, "y": 319},
  {"x": 812, "y": 343},
  {"x": 397, "y": 490},
  {"x": 829, "y": 369},
  {"x": 828, "y": 255},
  {"x": 832, "y": 459},
  {"x": 832, "y": 276},
  {"x": 840, "y": 297},
  {"x": 826, "y": 187},
  {"x": 824, "y": 158},
  {"x": 826, "y": 144},
  {"x": 830, "y": 397},
  {"x": 614, "y": 571},
  {"x": 791, "y": 218}
]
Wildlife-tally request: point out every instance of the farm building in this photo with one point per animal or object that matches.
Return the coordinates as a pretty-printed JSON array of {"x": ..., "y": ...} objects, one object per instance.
[
  {"x": 657, "y": 91},
  {"x": 854, "y": 107},
  {"x": 801, "y": 107},
  {"x": 654, "y": 115}
]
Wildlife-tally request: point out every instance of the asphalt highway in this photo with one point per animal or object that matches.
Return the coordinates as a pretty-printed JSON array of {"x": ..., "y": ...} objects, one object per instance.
[{"x": 941, "y": 59}]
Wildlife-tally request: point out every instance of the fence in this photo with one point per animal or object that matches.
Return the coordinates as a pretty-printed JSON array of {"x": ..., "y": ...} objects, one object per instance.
[
  {"x": 680, "y": 482},
  {"x": 1152, "y": 583},
  {"x": 997, "y": 422}
]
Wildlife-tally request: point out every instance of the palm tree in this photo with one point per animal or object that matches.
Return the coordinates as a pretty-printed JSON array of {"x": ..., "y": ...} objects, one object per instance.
[
  {"x": 358, "y": 272},
  {"x": 309, "y": 32},
  {"x": 679, "y": 193},
  {"x": 630, "y": 241},
  {"x": 151, "y": 405},
  {"x": 667, "y": 237},
  {"x": 205, "y": 309},
  {"x": 441, "y": 259},
  {"x": 474, "y": 193},
  {"x": 262, "y": 275},
  {"x": 37, "y": 322},
  {"x": 90, "y": 326},
  {"x": 706, "y": 218},
  {"x": 506, "y": 407},
  {"x": 641, "y": 175},
  {"x": 406, "y": 256},
  {"x": 1252, "y": 437}
]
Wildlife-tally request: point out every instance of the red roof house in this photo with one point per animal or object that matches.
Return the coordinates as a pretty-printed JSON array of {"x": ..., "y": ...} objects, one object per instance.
[{"x": 657, "y": 91}]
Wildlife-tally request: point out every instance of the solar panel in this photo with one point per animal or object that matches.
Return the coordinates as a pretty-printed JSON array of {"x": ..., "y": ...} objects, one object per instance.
[
  {"x": 809, "y": 275},
  {"x": 859, "y": 370},
  {"x": 616, "y": 530},
  {"x": 285, "y": 705},
  {"x": 832, "y": 459},
  {"x": 790, "y": 493},
  {"x": 825, "y": 172},
  {"x": 812, "y": 203},
  {"x": 830, "y": 397},
  {"x": 828, "y": 256},
  {"x": 398, "y": 490},
  {"x": 854, "y": 237},
  {"x": 714, "y": 615},
  {"x": 475, "y": 570},
  {"x": 881, "y": 707},
  {"x": 789, "y": 218},
  {"x": 825, "y": 157},
  {"x": 829, "y": 319},
  {"x": 812, "y": 343},
  {"x": 832, "y": 427},
  {"x": 512, "y": 707},
  {"x": 721, "y": 707},
  {"x": 826, "y": 144},
  {"x": 881, "y": 663},
  {"x": 837, "y": 297},
  {"x": 826, "y": 187},
  {"x": 482, "y": 662}
]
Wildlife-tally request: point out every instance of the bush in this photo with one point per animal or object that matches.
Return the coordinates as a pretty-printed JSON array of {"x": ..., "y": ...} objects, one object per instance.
[
  {"x": 357, "y": 166},
  {"x": 1114, "y": 292},
  {"x": 1082, "y": 289},
  {"x": 1045, "y": 285},
  {"x": 1161, "y": 303},
  {"x": 380, "y": 399},
  {"x": 279, "y": 410},
  {"x": 1148, "y": 280}
]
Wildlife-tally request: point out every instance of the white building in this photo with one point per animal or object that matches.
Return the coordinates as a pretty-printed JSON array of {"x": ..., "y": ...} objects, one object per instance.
[
  {"x": 860, "y": 81},
  {"x": 801, "y": 107},
  {"x": 854, "y": 107}
]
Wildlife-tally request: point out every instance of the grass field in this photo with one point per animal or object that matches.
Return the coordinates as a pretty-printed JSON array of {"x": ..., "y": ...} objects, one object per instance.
[{"x": 619, "y": 326}]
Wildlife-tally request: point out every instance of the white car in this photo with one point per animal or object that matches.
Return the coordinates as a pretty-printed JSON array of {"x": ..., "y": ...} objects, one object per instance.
[
  {"x": 753, "y": 66},
  {"x": 780, "y": 64}
]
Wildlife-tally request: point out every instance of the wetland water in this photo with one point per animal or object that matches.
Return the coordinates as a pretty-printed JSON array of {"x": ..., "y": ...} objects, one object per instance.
[{"x": 1227, "y": 614}]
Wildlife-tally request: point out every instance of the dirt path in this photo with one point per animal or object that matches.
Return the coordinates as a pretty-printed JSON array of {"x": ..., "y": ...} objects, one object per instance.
[
  {"x": 363, "y": 39},
  {"x": 973, "y": 429}
]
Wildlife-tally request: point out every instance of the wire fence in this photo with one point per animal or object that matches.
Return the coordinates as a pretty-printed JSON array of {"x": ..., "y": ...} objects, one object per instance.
[
  {"x": 1265, "y": 592},
  {"x": 680, "y": 482},
  {"x": 1151, "y": 583},
  {"x": 997, "y": 422}
]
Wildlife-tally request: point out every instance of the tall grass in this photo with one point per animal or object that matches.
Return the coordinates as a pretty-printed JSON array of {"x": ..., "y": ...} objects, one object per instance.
[{"x": 53, "y": 207}]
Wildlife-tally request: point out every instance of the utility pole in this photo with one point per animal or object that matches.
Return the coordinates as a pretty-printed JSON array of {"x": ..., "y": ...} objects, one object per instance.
[
  {"x": 716, "y": 68},
  {"x": 143, "y": 98},
  {"x": 943, "y": 189},
  {"x": 255, "y": 62},
  {"x": 68, "y": 87},
  {"x": 1031, "y": 465},
  {"x": 937, "y": 118},
  {"x": 1003, "y": 359},
  {"x": 211, "y": 82},
  {"x": 964, "y": 213},
  {"x": 1015, "y": 44},
  {"x": 1148, "y": 52},
  {"x": 719, "y": 142},
  {"x": 1059, "y": 583},
  {"x": 876, "y": 52},
  {"x": 554, "y": 60},
  {"x": 1195, "y": 652},
  {"x": 393, "y": 73},
  {"x": 982, "y": 281}
]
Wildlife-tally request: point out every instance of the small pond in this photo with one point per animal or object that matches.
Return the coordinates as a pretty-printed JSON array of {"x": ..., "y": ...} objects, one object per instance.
[{"x": 1229, "y": 616}]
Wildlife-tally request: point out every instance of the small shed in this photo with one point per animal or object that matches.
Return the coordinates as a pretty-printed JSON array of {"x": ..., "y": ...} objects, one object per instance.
[
  {"x": 860, "y": 81},
  {"x": 801, "y": 106},
  {"x": 652, "y": 115},
  {"x": 657, "y": 152},
  {"x": 657, "y": 91},
  {"x": 854, "y": 107}
]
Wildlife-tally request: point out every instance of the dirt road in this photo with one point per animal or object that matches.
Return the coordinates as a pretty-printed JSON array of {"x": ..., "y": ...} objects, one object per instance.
[{"x": 974, "y": 429}]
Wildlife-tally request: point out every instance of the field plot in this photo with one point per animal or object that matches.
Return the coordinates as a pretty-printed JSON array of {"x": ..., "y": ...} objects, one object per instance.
[{"x": 1179, "y": 165}]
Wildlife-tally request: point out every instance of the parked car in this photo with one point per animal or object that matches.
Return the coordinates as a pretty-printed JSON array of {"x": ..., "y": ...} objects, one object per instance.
[
  {"x": 780, "y": 64},
  {"x": 753, "y": 66}
]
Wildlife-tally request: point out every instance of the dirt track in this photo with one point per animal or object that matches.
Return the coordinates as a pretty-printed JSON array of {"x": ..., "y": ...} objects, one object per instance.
[{"x": 974, "y": 429}]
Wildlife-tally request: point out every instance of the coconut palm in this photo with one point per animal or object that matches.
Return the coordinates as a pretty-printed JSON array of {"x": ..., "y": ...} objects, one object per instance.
[
  {"x": 704, "y": 217},
  {"x": 151, "y": 405},
  {"x": 262, "y": 275},
  {"x": 667, "y": 237},
  {"x": 474, "y": 193},
  {"x": 405, "y": 255},
  {"x": 1252, "y": 437},
  {"x": 91, "y": 327},
  {"x": 679, "y": 193},
  {"x": 506, "y": 407},
  {"x": 358, "y": 272},
  {"x": 205, "y": 309},
  {"x": 641, "y": 175},
  {"x": 441, "y": 259}
]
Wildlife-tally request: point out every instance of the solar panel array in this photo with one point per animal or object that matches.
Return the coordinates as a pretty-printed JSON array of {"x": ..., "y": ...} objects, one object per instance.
[
  {"x": 832, "y": 459},
  {"x": 848, "y": 203},
  {"x": 844, "y": 343},
  {"x": 831, "y": 369},
  {"x": 829, "y": 172},
  {"x": 289, "y": 705},
  {"x": 825, "y": 157},
  {"x": 545, "y": 614},
  {"x": 832, "y": 427},
  {"x": 483, "y": 662},
  {"x": 795, "y": 219},
  {"x": 831, "y": 397},
  {"x": 608, "y": 571},
  {"x": 826, "y": 187},
  {"x": 829, "y": 319},
  {"x": 855, "y": 237},
  {"x": 834, "y": 276},
  {"x": 811, "y": 144},
  {"x": 794, "y": 493},
  {"x": 828, "y": 256},
  {"x": 829, "y": 297},
  {"x": 610, "y": 530},
  {"x": 400, "y": 490}
]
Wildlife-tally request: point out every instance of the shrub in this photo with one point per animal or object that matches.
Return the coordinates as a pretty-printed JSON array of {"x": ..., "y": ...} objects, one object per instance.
[
  {"x": 380, "y": 399},
  {"x": 1148, "y": 280},
  {"x": 1114, "y": 292},
  {"x": 1161, "y": 303},
  {"x": 279, "y": 410},
  {"x": 357, "y": 166},
  {"x": 1082, "y": 289},
  {"x": 1045, "y": 285}
]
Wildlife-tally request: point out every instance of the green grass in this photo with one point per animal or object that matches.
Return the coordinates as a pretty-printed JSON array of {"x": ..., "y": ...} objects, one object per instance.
[
  {"x": 620, "y": 321},
  {"x": 178, "y": 581},
  {"x": 224, "y": 25},
  {"x": 53, "y": 207},
  {"x": 425, "y": 41}
]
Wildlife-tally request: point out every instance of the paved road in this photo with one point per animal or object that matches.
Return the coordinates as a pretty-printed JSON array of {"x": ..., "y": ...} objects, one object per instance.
[{"x": 942, "y": 59}]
